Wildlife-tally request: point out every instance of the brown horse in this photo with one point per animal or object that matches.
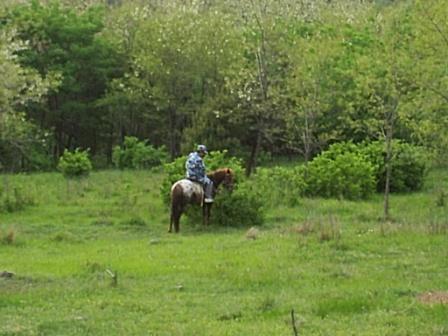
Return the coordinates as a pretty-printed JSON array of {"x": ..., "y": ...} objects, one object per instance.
[{"x": 185, "y": 192}]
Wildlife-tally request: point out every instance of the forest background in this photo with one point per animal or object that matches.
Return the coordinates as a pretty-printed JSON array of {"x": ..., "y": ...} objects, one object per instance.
[{"x": 259, "y": 78}]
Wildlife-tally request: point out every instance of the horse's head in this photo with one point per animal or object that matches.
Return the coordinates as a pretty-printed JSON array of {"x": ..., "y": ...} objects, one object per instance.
[
  {"x": 224, "y": 176},
  {"x": 228, "y": 180}
]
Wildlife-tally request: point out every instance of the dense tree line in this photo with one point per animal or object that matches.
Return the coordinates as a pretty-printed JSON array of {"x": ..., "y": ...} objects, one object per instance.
[{"x": 256, "y": 77}]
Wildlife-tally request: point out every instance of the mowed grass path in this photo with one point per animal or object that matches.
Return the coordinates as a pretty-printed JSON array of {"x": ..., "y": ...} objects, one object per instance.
[{"x": 331, "y": 261}]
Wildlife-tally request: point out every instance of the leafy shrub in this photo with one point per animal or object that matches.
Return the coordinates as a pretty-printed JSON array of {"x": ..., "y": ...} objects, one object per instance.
[
  {"x": 280, "y": 185},
  {"x": 23, "y": 145},
  {"x": 75, "y": 164},
  {"x": 340, "y": 173},
  {"x": 345, "y": 169},
  {"x": 409, "y": 165},
  {"x": 137, "y": 154},
  {"x": 241, "y": 207}
]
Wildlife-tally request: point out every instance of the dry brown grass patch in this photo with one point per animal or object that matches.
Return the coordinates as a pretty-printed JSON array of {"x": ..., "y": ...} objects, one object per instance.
[
  {"x": 303, "y": 229},
  {"x": 433, "y": 298}
]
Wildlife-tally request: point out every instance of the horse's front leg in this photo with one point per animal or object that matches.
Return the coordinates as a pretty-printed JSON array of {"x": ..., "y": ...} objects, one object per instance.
[
  {"x": 206, "y": 213},
  {"x": 170, "y": 229}
]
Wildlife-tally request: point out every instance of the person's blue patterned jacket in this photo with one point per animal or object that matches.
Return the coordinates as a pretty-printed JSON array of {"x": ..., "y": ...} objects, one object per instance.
[{"x": 196, "y": 168}]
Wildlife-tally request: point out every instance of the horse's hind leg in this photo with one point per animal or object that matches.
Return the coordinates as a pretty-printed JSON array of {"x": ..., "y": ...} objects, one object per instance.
[
  {"x": 174, "y": 217},
  {"x": 174, "y": 221},
  {"x": 177, "y": 220},
  {"x": 176, "y": 212}
]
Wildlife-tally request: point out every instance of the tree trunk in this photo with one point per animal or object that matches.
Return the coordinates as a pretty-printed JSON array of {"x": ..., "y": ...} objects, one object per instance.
[
  {"x": 306, "y": 136},
  {"x": 389, "y": 137},
  {"x": 173, "y": 133},
  {"x": 251, "y": 164}
]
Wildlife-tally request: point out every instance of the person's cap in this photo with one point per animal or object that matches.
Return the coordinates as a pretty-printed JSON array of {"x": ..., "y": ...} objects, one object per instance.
[{"x": 202, "y": 148}]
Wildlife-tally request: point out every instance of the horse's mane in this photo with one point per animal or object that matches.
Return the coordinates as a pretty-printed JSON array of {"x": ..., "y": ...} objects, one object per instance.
[{"x": 218, "y": 175}]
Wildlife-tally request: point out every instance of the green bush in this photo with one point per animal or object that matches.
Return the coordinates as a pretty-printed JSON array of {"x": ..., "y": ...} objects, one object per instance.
[
  {"x": 241, "y": 207},
  {"x": 135, "y": 154},
  {"x": 344, "y": 170},
  {"x": 280, "y": 185},
  {"x": 75, "y": 164},
  {"x": 339, "y": 172},
  {"x": 409, "y": 165},
  {"x": 23, "y": 145}
]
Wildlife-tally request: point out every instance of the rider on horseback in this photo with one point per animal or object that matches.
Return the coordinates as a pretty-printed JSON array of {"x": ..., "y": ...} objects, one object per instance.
[{"x": 196, "y": 171}]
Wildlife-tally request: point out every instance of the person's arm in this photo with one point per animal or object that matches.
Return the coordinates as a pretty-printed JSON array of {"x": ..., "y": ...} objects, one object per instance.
[{"x": 190, "y": 167}]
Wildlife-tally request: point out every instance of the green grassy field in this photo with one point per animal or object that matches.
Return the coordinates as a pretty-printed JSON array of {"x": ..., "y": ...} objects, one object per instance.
[{"x": 95, "y": 258}]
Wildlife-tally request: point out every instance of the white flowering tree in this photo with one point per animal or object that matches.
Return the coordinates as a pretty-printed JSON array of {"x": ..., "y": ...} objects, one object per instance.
[{"x": 21, "y": 142}]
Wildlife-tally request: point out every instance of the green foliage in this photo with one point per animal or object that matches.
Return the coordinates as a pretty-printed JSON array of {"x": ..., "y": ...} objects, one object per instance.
[
  {"x": 409, "y": 165},
  {"x": 343, "y": 169},
  {"x": 348, "y": 169},
  {"x": 287, "y": 79},
  {"x": 75, "y": 164},
  {"x": 426, "y": 111},
  {"x": 240, "y": 208},
  {"x": 137, "y": 154},
  {"x": 220, "y": 158},
  {"x": 66, "y": 43},
  {"x": 19, "y": 84},
  {"x": 340, "y": 173},
  {"x": 23, "y": 145},
  {"x": 279, "y": 185}
]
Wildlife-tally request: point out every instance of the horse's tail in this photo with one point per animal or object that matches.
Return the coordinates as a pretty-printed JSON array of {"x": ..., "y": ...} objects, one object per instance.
[
  {"x": 177, "y": 205},
  {"x": 176, "y": 196}
]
